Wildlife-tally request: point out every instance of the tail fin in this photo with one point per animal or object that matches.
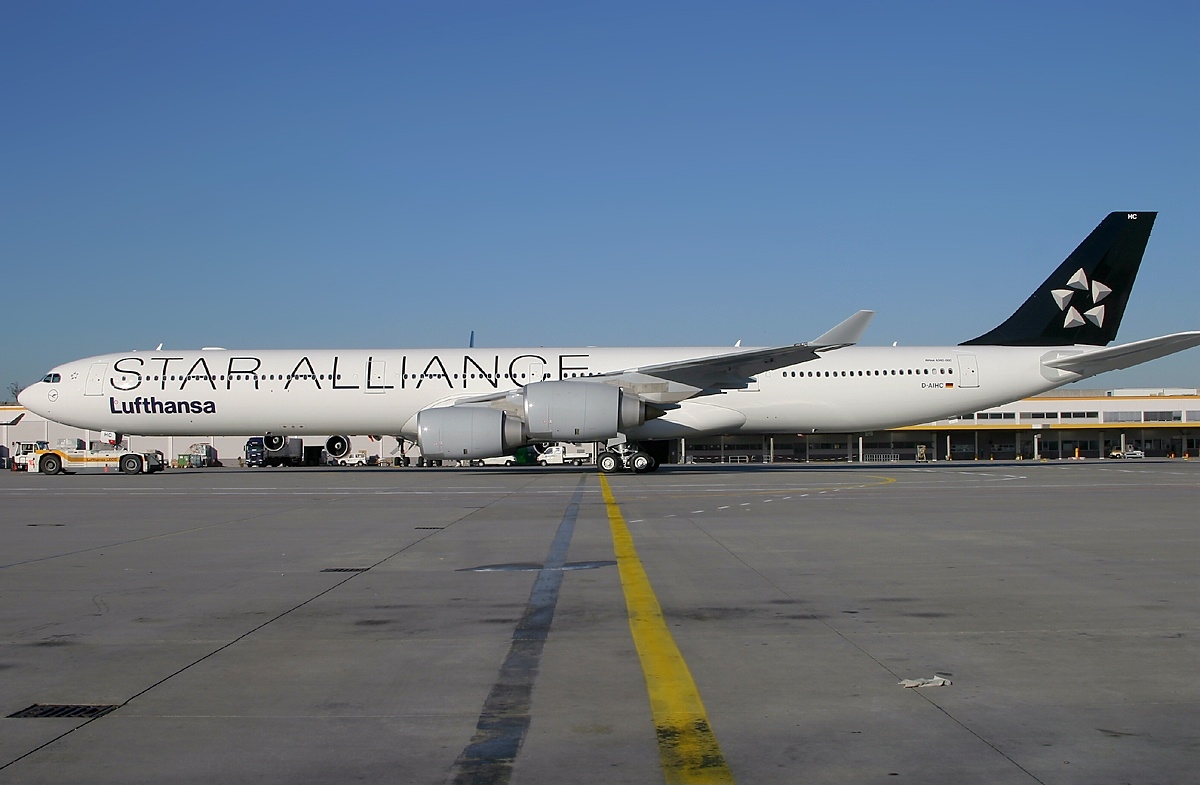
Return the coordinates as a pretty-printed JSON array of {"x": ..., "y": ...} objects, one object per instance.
[{"x": 1082, "y": 302}]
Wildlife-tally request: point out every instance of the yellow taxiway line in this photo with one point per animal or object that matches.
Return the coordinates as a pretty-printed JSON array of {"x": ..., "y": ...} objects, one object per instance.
[{"x": 687, "y": 745}]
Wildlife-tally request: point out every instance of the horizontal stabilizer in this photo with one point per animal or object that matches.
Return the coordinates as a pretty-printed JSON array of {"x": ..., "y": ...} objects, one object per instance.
[{"x": 1126, "y": 355}]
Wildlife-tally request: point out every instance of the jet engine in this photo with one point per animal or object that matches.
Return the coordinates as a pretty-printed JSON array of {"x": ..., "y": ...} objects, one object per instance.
[
  {"x": 338, "y": 446},
  {"x": 580, "y": 411},
  {"x": 553, "y": 411},
  {"x": 465, "y": 432},
  {"x": 274, "y": 442}
]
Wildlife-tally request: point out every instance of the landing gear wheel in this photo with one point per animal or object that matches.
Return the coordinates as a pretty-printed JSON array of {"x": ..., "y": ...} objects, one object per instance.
[
  {"x": 609, "y": 462},
  {"x": 641, "y": 463},
  {"x": 131, "y": 464},
  {"x": 50, "y": 464}
]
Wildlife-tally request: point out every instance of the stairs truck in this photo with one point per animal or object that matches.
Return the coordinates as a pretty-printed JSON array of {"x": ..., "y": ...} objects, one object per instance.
[{"x": 70, "y": 456}]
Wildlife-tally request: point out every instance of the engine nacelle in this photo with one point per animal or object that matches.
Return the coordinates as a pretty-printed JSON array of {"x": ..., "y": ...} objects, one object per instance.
[
  {"x": 274, "y": 442},
  {"x": 464, "y": 432},
  {"x": 338, "y": 446},
  {"x": 579, "y": 411}
]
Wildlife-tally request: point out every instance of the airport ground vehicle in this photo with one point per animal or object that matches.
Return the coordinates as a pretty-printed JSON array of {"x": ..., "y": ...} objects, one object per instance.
[
  {"x": 1128, "y": 453},
  {"x": 523, "y": 456},
  {"x": 73, "y": 456},
  {"x": 21, "y": 450},
  {"x": 560, "y": 454},
  {"x": 282, "y": 451},
  {"x": 356, "y": 458},
  {"x": 256, "y": 455},
  {"x": 502, "y": 460},
  {"x": 199, "y": 455}
]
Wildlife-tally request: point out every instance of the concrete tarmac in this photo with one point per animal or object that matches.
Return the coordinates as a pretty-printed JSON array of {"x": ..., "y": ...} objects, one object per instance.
[{"x": 1062, "y": 602}]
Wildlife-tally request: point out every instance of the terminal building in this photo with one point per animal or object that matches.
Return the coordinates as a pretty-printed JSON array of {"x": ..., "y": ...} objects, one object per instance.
[{"x": 1062, "y": 424}]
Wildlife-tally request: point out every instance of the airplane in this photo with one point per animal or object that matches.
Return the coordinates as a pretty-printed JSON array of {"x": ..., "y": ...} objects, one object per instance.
[{"x": 458, "y": 404}]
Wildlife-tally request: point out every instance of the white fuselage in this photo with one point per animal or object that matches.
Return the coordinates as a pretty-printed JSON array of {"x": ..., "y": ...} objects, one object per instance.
[{"x": 295, "y": 392}]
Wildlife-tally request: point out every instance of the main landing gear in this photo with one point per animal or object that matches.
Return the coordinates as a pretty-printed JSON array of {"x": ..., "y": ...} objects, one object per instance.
[{"x": 624, "y": 457}]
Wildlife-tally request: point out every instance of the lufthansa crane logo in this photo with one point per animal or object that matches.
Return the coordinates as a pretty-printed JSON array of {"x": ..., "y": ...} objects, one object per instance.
[{"x": 1079, "y": 286}]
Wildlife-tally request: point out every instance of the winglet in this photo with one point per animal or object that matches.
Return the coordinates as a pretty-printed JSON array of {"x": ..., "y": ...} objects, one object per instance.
[{"x": 847, "y": 333}]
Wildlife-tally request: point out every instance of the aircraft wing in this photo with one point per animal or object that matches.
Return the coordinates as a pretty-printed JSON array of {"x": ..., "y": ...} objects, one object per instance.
[
  {"x": 736, "y": 369},
  {"x": 671, "y": 382},
  {"x": 1126, "y": 355}
]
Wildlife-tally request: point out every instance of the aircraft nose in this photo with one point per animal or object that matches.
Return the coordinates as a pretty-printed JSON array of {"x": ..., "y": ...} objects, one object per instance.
[{"x": 35, "y": 396}]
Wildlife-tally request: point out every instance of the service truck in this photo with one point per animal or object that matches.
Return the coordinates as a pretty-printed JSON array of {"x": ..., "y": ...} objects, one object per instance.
[
  {"x": 70, "y": 455},
  {"x": 278, "y": 451},
  {"x": 559, "y": 454},
  {"x": 255, "y": 453},
  {"x": 290, "y": 453}
]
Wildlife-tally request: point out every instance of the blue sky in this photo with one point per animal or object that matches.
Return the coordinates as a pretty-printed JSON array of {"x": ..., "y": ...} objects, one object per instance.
[{"x": 273, "y": 175}]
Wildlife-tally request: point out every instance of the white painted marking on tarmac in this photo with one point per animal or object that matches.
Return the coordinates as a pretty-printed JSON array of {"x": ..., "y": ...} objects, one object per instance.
[{"x": 726, "y": 507}]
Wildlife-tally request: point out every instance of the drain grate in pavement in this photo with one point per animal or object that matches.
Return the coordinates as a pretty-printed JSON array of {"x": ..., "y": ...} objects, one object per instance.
[
  {"x": 76, "y": 711},
  {"x": 345, "y": 569}
]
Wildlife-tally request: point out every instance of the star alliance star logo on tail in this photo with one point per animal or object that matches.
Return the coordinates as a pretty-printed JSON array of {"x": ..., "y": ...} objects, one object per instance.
[{"x": 1078, "y": 284}]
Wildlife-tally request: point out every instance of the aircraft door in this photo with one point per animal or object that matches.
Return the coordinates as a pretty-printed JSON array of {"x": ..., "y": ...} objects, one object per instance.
[
  {"x": 968, "y": 371},
  {"x": 95, "y": 379},
  {"x": 535, "y": 373},
  {"x": 377, "y": 378}
]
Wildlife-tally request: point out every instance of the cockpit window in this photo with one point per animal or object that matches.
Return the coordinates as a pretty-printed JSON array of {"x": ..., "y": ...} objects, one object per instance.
[{"x": 52, "y": 378}]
